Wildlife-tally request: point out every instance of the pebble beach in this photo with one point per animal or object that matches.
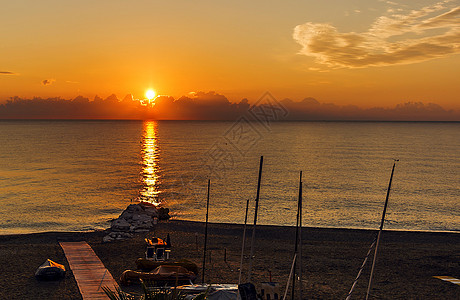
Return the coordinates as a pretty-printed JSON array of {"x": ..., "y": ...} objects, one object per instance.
[{"x": 331, "y": 258}]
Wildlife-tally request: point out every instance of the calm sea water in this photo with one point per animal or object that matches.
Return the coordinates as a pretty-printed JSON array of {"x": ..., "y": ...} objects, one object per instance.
[{"x": 78, "y": 175}]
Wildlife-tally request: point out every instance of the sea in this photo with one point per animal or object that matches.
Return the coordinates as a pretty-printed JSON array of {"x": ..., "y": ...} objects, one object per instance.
[{"x": 63, "y": 175}]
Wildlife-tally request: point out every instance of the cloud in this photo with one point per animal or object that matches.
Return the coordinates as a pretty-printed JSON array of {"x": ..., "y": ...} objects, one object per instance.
[
  {"x": 48, "y": 81},
  {"x": 199, "y": 106},
  {"x": 311, "y": 109},
  {"x": 7, "y": 73},
  {"x": 397, "y": 38},
  {"x": 212, "y": 106}
]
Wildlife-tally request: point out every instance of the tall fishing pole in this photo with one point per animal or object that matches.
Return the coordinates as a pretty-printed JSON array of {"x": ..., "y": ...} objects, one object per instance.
[
  {"x": 255, "y": 219},
  {"x": 299, "y": 209},
  {"x": 380, "y": 229},
  {"x": 205, "y": 233},
  {"x": 244, "y": 239}
]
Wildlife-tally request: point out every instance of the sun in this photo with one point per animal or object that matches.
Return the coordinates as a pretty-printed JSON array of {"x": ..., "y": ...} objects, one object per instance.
[{"x": 150, "y": 94}]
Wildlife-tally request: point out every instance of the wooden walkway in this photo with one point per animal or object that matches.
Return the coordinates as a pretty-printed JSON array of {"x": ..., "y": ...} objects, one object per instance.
[{"x": 88, "y": 270}]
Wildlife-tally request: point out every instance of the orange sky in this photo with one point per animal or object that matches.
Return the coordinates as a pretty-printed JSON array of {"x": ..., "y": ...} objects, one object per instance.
[{"x": 366, "y": 53}]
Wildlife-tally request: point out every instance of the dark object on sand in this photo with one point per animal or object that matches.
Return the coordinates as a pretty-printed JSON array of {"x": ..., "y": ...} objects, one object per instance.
[
  {"x": 168, "y": 242},
  {"x": 162, "y": 274},
  {"x": 50, "y": 270},
  {"x": 247, "y": 291},
  {"x": 149, "y": 265}
]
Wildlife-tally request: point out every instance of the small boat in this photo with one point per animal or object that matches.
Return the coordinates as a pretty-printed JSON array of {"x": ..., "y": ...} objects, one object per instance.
[
  {"x": 50, "y": 270},
  {"x": 166, "y": 274},
  {"x": 147, "y": 265},
  {"x": 214, "y": 291}
]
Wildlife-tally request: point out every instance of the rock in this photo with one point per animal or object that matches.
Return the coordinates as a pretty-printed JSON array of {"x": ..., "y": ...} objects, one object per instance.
[
  {"x": 120, "y": 225},
  {"x": 136, "y": 218},
  {"x": 163, "y": 213},
  {"x": 127, "y": 215},
  {"x": 152, "y": 212},
  {"x": 145, "y": 218},
  {"x": 117, "y": 236},
  {"x": 147, "y": 225},
  {"x": 107, "y": 239}
]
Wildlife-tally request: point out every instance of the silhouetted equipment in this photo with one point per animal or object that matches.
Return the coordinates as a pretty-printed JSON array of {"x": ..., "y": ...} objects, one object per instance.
[
  {"x": 168, "y": 242},
  {"x": 247, "y": 291},
  {"x": 298, "y": 240},
  {"x": 244, "y": 241},
  {"x": 251, "y": 257},
  {"x": 380, "y": 229},
  {"x": 205, "y": 233}
]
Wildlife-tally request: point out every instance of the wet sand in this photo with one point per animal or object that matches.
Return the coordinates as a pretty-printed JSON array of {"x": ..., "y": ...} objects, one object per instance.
[{"x": 331, "y": 260}]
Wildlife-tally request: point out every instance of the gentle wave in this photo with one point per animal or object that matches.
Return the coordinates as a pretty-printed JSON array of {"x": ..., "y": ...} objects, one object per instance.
[{"x": 78, "y": 175}]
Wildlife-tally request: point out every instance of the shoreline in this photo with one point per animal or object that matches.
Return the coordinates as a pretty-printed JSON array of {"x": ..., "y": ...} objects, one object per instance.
[
  {"x": 249, "y": 226},
  {"x": 331, "y": 257}
]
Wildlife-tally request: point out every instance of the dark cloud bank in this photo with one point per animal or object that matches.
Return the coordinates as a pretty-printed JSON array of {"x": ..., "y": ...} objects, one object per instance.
[{"x": 212, "y": 106}]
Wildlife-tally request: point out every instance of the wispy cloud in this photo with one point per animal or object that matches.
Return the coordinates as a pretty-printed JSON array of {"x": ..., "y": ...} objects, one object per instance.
[
  {"x": 7, "y": 73},
  {"x": 401, "y": 37},
  {"x": 48, "y": 81}
]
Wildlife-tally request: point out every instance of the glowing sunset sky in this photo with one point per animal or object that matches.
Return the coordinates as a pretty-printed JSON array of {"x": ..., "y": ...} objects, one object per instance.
[{"x": 362, "y": 52}]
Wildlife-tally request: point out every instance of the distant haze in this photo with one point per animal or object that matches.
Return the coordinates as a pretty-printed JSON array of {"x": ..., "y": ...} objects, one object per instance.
[{"x": 213, "y": 106}]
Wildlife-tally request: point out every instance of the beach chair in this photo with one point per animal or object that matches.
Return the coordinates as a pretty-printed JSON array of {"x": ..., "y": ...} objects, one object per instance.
[{"x": 157, "y": 253}]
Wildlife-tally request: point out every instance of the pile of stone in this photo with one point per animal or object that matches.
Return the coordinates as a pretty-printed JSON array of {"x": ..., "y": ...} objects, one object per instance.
[{"x": 136, "y": 218}]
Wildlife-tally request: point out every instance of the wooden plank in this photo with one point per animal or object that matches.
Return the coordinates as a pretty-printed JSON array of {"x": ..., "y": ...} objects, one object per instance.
[{"x": 88, "y": 270}]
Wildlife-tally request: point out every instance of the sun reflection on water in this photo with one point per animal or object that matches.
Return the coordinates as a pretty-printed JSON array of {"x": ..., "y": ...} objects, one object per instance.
[{"x": 150, "y": 169}]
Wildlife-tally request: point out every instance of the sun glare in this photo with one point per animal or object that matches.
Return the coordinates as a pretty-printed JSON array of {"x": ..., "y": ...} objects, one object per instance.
[{"x": 150, "y": 94}]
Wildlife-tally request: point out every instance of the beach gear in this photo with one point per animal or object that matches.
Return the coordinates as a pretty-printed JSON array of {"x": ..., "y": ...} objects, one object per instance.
[
  {"x": 247, "y": 291},
  {"x": 147, "y": 265},
  {"x": 219, "y": 291},
  {"x": 157, "y": 249},
  {"x": 163, "y": 273},
  {"x": 50, "y": 270}
]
